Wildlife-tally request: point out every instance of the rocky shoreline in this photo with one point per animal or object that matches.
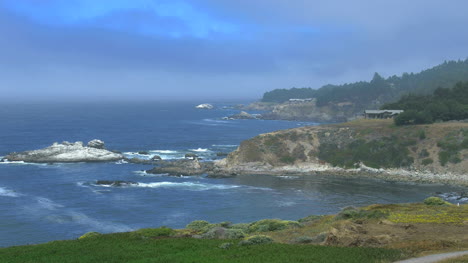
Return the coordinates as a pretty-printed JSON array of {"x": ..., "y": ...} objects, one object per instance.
[{"x": 219, "y": 169}]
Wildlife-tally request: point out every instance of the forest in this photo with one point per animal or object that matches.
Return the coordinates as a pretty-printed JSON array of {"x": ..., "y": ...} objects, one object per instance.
[{"x": 380, "y": 90}]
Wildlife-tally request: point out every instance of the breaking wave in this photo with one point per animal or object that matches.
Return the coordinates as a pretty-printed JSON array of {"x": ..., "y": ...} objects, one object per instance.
[
  {"x": 174, "y": 185},
  {"x": 454, "y": 197},
  {"x": 8, "y": 193},
  {"x": 186, "y": 186},
  {"x": 199, "y": 150}
]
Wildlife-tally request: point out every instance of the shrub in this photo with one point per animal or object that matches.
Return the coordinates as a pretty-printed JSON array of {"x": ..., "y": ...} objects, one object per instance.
[
  {"x": 234, "y": 234},
  {"x": 307, "y": 240},
  {"x": 309, "y": 218},
  {"x": 224, "y": 233},
  {"x": 422, "y": 135},
  {"x": 256, "y": 240},
  {"x": 355, "y": 213},
  {"x": 200, "y": 226},
  {"x": 424, "y": 153},
  {"x": 427, "y": 161},
  {"x": 241, "y": 226},
  {"x": 387, "y": 152},
  {"x": 435, "y": 201},
  {"x": 90, "y": 235},
  {"x": 266, "y": 225},
  {"x": 225, "y": 245},
  {"x": 153, "y": 232}
]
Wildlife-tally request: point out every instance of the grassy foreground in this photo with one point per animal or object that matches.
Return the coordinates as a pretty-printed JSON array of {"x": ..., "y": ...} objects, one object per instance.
[
  {"x": 376, "y": 233},
  {"x": 123, "y": 247}
]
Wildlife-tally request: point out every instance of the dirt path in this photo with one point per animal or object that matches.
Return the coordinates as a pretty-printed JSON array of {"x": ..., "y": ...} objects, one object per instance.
[{"x": 434, "y": 258}]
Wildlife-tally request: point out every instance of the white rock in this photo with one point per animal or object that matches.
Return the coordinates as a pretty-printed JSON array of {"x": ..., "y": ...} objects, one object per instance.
[{"x": 205, "y": 106}]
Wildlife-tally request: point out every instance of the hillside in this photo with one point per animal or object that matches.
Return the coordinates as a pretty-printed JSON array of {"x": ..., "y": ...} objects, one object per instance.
[
  {"x": 374, "y": 147},
  {"x": 352, "y": 98},
  {"x": 377, "y": 233}
]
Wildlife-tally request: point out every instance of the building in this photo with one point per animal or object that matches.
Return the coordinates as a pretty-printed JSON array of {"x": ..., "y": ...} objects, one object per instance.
[{"x": 381, "y": 114}]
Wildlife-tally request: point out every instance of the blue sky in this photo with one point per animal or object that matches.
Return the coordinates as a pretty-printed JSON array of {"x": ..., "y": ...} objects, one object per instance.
[{"x": 212, "y": 49}]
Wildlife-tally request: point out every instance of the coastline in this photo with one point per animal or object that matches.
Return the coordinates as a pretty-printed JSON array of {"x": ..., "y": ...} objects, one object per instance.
[{"x": 397, "y": 175}]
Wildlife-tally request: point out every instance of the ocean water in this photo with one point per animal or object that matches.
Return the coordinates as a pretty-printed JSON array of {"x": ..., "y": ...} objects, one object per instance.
[{"x": 44, "y": 202}]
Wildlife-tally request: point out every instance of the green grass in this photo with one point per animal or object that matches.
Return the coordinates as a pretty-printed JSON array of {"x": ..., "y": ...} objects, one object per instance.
[{"x": 122, "y": 247}]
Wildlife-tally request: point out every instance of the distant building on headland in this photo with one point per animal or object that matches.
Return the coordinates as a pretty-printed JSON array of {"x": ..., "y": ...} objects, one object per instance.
[{"x": 381, "y": 114}]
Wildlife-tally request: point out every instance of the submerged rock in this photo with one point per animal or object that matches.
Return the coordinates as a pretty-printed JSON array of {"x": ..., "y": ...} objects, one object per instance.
[{"x": 67, "y": 152}]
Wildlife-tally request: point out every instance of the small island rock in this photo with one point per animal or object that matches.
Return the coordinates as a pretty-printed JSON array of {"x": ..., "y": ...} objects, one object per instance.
[
  {"x": 205, "y": 106},
  {"x": 67, "y": 152}
]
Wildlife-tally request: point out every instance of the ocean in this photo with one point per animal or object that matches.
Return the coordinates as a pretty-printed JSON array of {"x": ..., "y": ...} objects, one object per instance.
[{"x": 45, "y": 202}]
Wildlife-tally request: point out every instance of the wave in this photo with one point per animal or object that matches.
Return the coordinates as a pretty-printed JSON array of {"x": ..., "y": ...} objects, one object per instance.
[
  {"x": 454, "y": 197},
  {"x": 225, "y": 145},
  {"x": 97, "y": 225},
  {"x": 288, "y": 177},
  {"x": 121, "y": 162},
  {"x": 47, "y": 203},
  {"x": 200, "y": 150},
  {"x": 185, "y": 186},
  {"x": 8, "y": 193},
  {"x": 285, "y": 203},
  {"x": 164, "y": 151},
  {"x": 22, "y": 163}
]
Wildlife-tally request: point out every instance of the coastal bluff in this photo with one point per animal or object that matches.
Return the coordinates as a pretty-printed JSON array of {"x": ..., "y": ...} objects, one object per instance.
[
  {"x": 374, "y": 148},
  {"x": 67, "y": 152}
]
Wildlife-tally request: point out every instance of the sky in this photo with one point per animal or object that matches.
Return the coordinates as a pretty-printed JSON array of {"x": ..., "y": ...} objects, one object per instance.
[{"x": 216, "y": 49}]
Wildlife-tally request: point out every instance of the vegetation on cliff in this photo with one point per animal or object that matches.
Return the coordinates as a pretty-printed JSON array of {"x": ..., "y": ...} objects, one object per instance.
[
  {"x": 379, "y": 90},
  {"x": 439, "y": 148},
  {"x": 444, "y": 105}
]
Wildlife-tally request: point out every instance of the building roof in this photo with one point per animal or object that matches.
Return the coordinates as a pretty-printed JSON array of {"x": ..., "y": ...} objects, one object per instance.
[{"x": 383, "y": 111}]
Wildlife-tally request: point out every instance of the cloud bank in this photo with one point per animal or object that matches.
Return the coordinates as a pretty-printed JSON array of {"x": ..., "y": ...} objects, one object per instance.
[{"x": 213, "y": 49}]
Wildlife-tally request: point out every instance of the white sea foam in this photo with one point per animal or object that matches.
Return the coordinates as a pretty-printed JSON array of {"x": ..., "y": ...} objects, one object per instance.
[
  {"x": 121, "y": 162},
  {"x": 47, "y": 203},
  {"x": 288, "y": 177},
  {"x": 285, "y": 203},
  {"x": 164, "y": 151},
  {"x": 186, "y": 185},
  {"x": 200, "y": 150},
  {"x": 225, "y": 145},
  {"x": 96, "y": 225},
  {"x": 454, "y": 197},
  {"x": 8, "y": 193}
]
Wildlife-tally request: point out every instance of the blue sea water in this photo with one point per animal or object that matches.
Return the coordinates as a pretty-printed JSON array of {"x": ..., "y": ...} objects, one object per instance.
[{"x": 44, "y": 202}]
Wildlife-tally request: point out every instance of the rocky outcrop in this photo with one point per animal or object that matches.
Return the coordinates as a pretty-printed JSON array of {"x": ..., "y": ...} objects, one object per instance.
[
  {"x": 205, "y": 106},
  {"x": 67, "y": 152},
  {"x": 242, "y": 116},
  {"x": 372, "y": 148},
  {"x": 182, "y": 167}
]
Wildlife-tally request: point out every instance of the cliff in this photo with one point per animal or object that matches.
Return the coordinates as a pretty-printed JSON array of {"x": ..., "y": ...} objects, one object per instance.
[{"x": 434, "y": 153}]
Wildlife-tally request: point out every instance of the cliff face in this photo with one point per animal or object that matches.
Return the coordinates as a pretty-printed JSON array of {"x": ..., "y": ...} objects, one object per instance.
[{"x": 372, "y": 145}]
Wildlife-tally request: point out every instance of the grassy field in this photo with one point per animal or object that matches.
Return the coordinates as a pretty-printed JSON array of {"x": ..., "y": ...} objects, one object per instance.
[
  {"x": 123, "y": 247},
  {"x": 376, "y": 233}
]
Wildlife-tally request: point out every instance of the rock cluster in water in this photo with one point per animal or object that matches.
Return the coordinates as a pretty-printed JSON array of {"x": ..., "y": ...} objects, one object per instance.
[{"x": 67, "y": 152}]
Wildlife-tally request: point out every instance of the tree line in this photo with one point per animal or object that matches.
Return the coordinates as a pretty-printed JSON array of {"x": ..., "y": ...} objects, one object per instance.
[{"x": 443, "y": 105}]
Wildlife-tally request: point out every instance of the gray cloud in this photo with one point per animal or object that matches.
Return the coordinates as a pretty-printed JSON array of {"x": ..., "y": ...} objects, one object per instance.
[{"x": 280, "y": 44}]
